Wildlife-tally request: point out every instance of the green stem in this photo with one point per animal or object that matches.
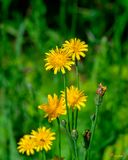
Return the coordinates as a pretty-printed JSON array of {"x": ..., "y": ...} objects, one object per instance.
[
  {"x": 76, "y": 118},
  {"x": 76, "y": 151},
  {"x": 65, "y": 90},
  {"x": 86, "y": 154},
  {"x": 59, "y": 136},
  {"x": 72, "y": 119},
  {"x": 94, "y": 126},
  {"x": 77, "y": 74},
  {"x": 71, "y": 143},
  {"x": 44, "y": 155},
  {"x": 77, "y": 84}
]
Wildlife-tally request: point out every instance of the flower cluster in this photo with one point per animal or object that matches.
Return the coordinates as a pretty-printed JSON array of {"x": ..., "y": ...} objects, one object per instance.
[
  {"x": 56, "y": 107},
  {"x": 69, "y": 103},
  {"x": 72, "y": 99},
  {"x": 59, "y": 59},
  {"x": 36, "y": 141}
]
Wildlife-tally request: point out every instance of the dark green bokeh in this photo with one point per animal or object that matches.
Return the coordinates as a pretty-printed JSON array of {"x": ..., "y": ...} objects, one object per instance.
[{"x": 28, "y": 29}]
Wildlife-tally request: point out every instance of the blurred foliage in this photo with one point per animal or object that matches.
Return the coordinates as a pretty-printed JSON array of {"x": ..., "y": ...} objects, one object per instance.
[{"x": 28, "y": 29}]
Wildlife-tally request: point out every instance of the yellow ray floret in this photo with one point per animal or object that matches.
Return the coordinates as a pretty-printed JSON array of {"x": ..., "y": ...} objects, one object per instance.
[
  {"x": 54, "y": 108},
  {"x": 43, "y": 139},
  {"x": 75, "y": 97},
  {"x": 26, "y": 145},
  {"x": 58, "y": 60},
  {"x": 76, "y": 48},
  {"x": 37, "y": 141}
]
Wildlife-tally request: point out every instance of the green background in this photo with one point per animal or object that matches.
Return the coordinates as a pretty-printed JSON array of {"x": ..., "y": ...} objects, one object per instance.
[{"x": 30, "y": 28}]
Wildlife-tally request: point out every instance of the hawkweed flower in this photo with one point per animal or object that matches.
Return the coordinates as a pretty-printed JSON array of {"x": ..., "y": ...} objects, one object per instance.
[
  {"x": 76, "y": 48},
  {"x": 38, "y": 140},
  {"x": 58, "y": 60},
  {"x": 54, "y": 108},
  {"x": 75, "y": 97},
  {"x": 43, "y": 138},
  {"x": 26, "y": 145}
]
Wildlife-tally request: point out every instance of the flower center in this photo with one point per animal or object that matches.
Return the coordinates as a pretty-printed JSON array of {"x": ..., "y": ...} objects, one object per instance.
[
  {"x": 59, "y": 60},
  {"x": 73, "y": 99},
  {"x": 75, "y": 47}
]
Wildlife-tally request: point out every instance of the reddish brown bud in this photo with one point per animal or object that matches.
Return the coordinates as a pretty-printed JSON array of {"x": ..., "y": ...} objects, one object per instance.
[
  {"x": 101, "y": 90},
  {"x": 87, "y": 137}
]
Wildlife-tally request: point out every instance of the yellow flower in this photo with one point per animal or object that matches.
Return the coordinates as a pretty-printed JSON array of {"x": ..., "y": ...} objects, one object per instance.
[
  {"x": 54, "y": 108},
  {"x": 75, "y": 97},
  {"x": 43, "y": 138},
  {"x": 38, "y": 140},
  {"x": 58, "y": 60},
  {"x": 26, "y": 144},
  {"x": 76, "y": 48}
]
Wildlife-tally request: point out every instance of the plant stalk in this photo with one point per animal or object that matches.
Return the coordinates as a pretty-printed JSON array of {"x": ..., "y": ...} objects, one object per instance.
[
  {"x": 76, "y": 151},
  {"x": 71, "y": 142},
  {"x": 94, "y": 126},
  {"x": 86, "y": 154},
  {"x": 59, "y": 137},
  {"x": 44, "y": 155},
  {"x": 77, "y": 84},
  {"x": 72, "y": 119},
  {"x": 65, "y": 90}
]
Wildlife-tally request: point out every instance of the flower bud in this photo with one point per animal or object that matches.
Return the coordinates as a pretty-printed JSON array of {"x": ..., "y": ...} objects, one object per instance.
[
  {"x": 74, "y": 134},
  {"x": 101, "y": 90},
  {"x": 87, "y": 137},
  {"x": 63, "y": 122}
]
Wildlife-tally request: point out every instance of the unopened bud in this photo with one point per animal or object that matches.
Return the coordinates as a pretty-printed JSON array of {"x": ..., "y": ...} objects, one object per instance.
[
  {"x": 87, "y": 137},
  {"x": 63, "y": 122},
  {"x": 74, "y": 134},
  {"x": 101, "y": 90}
]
